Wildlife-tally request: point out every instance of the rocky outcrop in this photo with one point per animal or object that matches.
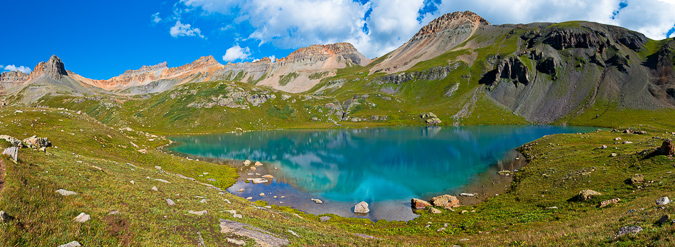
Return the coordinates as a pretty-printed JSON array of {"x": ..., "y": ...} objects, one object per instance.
[
  {"x": 586, "y": 195},
  {"x": 343, "y": 50},
  {"x": 430, "y": 119},
  {"x": 11, "y": 79},
  {"x": 14, "y": 141},
  {"x": 435, "y": 73},
  {"x": 563, "y": 38},
  {"x": 37, "y": 142}
]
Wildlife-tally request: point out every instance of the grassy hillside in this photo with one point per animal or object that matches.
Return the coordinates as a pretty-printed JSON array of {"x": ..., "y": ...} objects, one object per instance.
[{"x": 99, "y": 164}]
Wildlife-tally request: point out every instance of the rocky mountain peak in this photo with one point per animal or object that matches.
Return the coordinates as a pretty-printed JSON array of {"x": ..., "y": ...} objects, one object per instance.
[
  {"x": 318, "y": 51},
  {"x": 205, "y": 61},
  {"x": 54, "y": 68},
  {"x": 146, "y": 68},
  {"x": 450, "y": 21}
]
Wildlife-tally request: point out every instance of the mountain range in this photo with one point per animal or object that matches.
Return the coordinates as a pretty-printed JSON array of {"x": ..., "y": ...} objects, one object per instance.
[{"x": 459, "y": 65}]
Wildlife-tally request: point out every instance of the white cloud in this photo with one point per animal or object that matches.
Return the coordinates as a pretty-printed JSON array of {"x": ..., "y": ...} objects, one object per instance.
[
  {"x": 155, "y": 18},
  {"x": 391, "y": 23},
  {"x": 652, "y": 17},
  {"x": 273, "y": 58},
  {"x": 236, "y": 53},
  {"x": 1, "y": 66},
  {"x": 180, "y": 29},
  {"x": 23, "y": 69}
]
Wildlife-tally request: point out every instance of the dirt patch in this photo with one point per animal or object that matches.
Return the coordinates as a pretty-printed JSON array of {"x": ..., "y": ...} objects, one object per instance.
[
  {"x": 119, "y": 227},
  {"x": 469, "y": 58}
]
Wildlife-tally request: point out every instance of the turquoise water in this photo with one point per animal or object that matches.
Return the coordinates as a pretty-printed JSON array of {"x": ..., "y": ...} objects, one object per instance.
[{"x": 374, "y": 165}]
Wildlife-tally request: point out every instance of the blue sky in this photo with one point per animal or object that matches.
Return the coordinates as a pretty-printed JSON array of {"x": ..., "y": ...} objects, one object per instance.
[{"x": 100, "y": 39}]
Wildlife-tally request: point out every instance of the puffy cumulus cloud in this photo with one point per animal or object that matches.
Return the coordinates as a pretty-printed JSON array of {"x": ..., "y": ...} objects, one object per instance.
[
  {"x": 236, "y": 53},
  {"x": 181, "y": 29},
  {"x": 376, "y": 27},
  {"x": 272, "y": 58},
  {"x": 155, "y": 18},
  {"x": 1, "y": 66},
  {"x": 652, "y": 17},
  {"x": 13, "y": 67}
]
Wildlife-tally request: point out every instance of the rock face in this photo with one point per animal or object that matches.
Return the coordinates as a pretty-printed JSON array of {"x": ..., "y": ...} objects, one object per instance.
[
  {"x": 586, "y": 195},
  {"x": 668, "y": 148},
  {"x": 419, "y": 204},
  {"x": 435, "y": 73},
  {"x": 361, "y": 208},
  {"x": 261, "y": 237},
  {"x": 430, "y": 119},
  {"x": 11, "y": 79}
]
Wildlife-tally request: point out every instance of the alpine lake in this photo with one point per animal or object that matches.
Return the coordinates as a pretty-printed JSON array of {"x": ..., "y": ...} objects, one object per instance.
[{"x": 385, "y": 167}]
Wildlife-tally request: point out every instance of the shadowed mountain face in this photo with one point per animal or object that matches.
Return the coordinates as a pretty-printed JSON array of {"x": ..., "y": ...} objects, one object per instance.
[{"x": 459, "y": 65}]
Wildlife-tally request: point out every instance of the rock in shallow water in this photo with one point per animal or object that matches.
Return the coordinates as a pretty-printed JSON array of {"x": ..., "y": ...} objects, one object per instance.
[
  {"x": 446, "y": 201},
  {"x": 419, "y": 204},
  {"x": 361, "y": 208}
]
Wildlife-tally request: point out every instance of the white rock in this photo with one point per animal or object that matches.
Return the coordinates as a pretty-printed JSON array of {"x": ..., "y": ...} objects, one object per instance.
[
  {"x": 66, "y": 192},
  {"x": 203, "y": 212},
  {"x": 162, "y": 180},
  {"x": 317, "y": 201},
  {"x": 71, "y": 244},
  {"x": 170, "y": 202},
  {"x": 662, "y": 201},
  {"x": 82, "y": 218},
  {"x": 155, "y": 188},
  {"x": 361, "y": 208}
]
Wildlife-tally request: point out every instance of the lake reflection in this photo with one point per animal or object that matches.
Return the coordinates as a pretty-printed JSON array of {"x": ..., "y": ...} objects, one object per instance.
[{"x": 381, "y": 164}]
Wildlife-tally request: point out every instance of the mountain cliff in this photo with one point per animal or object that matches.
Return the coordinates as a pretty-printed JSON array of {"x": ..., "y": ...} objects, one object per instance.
[{"x": 11, "y": 79}]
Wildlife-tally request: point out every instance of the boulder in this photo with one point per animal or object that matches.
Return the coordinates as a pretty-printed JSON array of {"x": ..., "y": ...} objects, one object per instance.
[
  {"x": 200, "y": 213},
  {"x": 361, "y": 208},
  {"x": 268, "y": 176},
  {"x": 325, "y": 218},
  {"x": 628, "y": 230},
  {"x": 66, "y": 192},
  {"x": 586, "y": 195},
  {"x": 257, "y": 163},
  {"x": 82, "y": 217},
  {"x": 258, "y": 180},
  {"x": 37, "y": 142},
  {"x": 71, "y": 244},
  {"x": 434, "y": 210},
  {"x": 662, "y": 201},
  {"x": 170, "y": 202},
  {"x": 664, "y": 219},
  {"x": 668, "y": 148},
  {"x": 637, "y": 179},
  {"x": 247, "y": 162},
  {"x": 4, "y": 217},
  {"x": 606, "y": 203},
  {"x": 446, "y": 201},
  {"x": 419, "y": 204}
]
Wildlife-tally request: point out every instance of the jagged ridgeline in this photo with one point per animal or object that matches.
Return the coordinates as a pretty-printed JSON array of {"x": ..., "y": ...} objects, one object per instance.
[{"x": 459, "y": 67}]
